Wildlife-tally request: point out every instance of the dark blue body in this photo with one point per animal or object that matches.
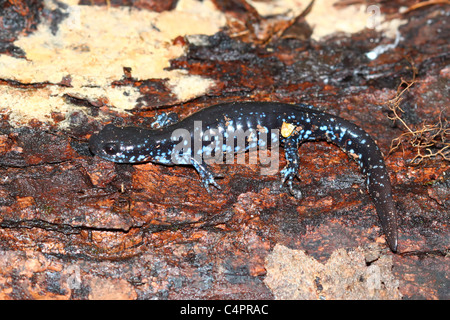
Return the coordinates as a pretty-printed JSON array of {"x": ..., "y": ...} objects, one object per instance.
[{"x": 135, "y": 145}]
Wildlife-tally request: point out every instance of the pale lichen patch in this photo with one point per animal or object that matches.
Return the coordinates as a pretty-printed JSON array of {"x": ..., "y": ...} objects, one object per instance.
[{"x": 92, "y": 46}]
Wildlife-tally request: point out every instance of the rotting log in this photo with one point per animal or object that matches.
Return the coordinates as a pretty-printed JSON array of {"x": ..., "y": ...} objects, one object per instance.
[{"x": 77, "y": 227}]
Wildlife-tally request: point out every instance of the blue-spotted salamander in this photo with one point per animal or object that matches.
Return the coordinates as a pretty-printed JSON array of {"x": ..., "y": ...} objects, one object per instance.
[{"x": 137, "y": 145}]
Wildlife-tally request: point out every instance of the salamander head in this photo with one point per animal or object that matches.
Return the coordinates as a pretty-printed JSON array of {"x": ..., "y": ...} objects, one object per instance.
[{"x": 118, "y": 144}]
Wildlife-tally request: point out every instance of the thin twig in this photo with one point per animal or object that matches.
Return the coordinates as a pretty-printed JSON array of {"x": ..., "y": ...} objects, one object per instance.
[{"x": 428, "y": 140}]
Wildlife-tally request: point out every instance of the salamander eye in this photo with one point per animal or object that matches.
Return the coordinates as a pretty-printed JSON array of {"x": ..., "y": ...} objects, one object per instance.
[{"x": 110, "y": 149}]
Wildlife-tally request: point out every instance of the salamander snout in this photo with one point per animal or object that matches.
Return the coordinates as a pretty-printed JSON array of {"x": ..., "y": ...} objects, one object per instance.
[
  {"x": 117, "y": 144},
  {"x": 93, "y": 144},
  {"x": 105, "y": 145}
]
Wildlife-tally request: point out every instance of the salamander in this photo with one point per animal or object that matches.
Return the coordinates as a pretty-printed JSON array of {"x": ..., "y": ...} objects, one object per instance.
[{"x": 297, "y": 123}]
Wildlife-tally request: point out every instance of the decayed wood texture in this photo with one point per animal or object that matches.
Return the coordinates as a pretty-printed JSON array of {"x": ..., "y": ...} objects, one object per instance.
[{"x": 73, "y": 226}]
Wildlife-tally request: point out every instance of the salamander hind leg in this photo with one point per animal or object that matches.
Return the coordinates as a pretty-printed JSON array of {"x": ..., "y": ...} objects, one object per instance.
[
  {"x": 290, "y": 171},
  {"x": 206, "y": 174}
]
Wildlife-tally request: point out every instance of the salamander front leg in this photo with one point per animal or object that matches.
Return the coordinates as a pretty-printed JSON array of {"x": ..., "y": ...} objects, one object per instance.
[
  {"x": 206, "y": 174},
  {"x": 290, "y": 171},
  {"x": 164, "y": 119}
]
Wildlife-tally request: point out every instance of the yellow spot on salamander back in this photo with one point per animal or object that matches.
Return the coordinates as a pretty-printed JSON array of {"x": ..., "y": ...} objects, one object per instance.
[{"x": 287, "y": 129}]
